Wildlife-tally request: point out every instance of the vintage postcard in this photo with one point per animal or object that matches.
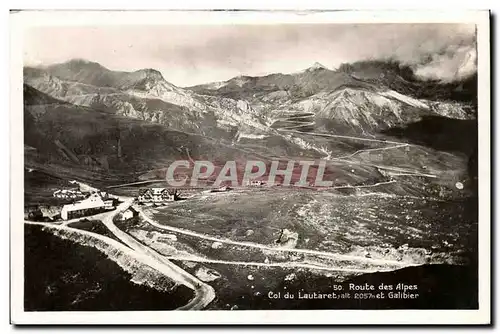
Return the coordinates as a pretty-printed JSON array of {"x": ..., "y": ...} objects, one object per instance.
[{"x": 265, "y": 167}]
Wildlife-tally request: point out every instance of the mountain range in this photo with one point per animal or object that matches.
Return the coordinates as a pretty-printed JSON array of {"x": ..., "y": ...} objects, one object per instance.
[{"x": 124, "y": 125}]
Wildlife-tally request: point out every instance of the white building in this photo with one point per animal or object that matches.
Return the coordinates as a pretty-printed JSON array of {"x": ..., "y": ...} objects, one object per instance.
[
  {"x": 256, "y": 183},
  {"x": 89, "y": 206},
  {"x": 129, "y": 214}
]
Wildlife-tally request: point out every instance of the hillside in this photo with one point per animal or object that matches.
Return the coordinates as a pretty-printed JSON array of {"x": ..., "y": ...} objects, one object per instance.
[
  {"x": 66, "y": 141},
  {"x": 110, "y": 126},
  {"x": 381, "y": 74},
  {"x": 102, "y": 142},
  {"x": 297, "y": 85},
  {"x": 142, "y": 94},
  {"x": 359, "y": 98}
]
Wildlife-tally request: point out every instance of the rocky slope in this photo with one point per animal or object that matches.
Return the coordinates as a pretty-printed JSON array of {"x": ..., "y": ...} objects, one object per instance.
[
  {"x": 365, "y": 96},
  {"x": 145, "y": 95},
  {"x": 84, "y": 143}
]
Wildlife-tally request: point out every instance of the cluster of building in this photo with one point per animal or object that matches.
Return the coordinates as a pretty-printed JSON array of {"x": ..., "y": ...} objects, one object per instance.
[
  {"x": 78, "y": 204},
  {"x": 157, "y": 195},
  {"x": 221, "y": 189},
  {"x": 69, "y": 194},
  {"x": 256, "y": 183},
  {"x": 160, "y": 196}
]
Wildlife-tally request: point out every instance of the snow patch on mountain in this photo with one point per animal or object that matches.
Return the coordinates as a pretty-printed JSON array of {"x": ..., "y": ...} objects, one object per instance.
[{"x": 404, "y": 98}]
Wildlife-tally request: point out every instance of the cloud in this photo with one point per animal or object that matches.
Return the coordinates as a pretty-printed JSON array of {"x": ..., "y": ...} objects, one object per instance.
[
  {"x": 447, "y": 54},
  {"x": 457, "y": 63},
  {"x": 189, "y": 55}
]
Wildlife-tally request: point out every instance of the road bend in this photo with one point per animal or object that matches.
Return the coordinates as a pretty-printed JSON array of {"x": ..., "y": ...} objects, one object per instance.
[{"x": 204, "y": 293}]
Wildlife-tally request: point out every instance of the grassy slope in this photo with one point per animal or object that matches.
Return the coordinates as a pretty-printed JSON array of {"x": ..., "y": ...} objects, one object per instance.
[{"x": 328, "y": 221}]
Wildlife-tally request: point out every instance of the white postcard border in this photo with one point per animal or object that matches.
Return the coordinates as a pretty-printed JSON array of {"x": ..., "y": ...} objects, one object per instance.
[{"x": 27, "y": 19}]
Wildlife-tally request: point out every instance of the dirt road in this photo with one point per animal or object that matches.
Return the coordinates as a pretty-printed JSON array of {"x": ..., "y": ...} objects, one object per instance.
[
  {"x": 204, "y": 293},
  {"x": 335, "y": 256}
]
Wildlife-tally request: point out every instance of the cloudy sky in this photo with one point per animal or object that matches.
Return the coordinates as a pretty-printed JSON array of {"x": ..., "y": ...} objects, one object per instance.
[{"x": 190, "y": 55}]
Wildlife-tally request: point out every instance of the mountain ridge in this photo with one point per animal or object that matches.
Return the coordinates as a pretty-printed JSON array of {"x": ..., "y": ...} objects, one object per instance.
[
  {"x": 277, "y": 116},
  {"x": 345, "y": 97},
  {"x": 143, "y": 94}
]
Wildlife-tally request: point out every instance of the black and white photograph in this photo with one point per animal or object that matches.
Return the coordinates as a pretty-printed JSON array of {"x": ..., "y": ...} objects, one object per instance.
[{"x": 241, "y": 162}]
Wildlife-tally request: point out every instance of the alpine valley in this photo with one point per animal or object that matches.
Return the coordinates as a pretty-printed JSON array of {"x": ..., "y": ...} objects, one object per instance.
[{"x": 403, "y": 152}]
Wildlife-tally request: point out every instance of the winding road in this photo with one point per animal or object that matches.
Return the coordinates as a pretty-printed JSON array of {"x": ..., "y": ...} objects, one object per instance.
[
  {"x": 346, "y": 158},
  {"x": 204, "y": 293}
]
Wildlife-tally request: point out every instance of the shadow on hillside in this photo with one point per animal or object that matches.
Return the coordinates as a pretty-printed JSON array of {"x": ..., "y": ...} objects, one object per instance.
[{"x": 443, "y": 134}]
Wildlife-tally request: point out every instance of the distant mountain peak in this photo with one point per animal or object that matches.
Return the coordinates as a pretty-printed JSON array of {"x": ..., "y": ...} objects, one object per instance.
[
  {"x": 316, "y": 66},
  {"x": 150, "y": 73},
  {"x": 83, "y": 62},
  {"x": 78, "y": 64}
]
